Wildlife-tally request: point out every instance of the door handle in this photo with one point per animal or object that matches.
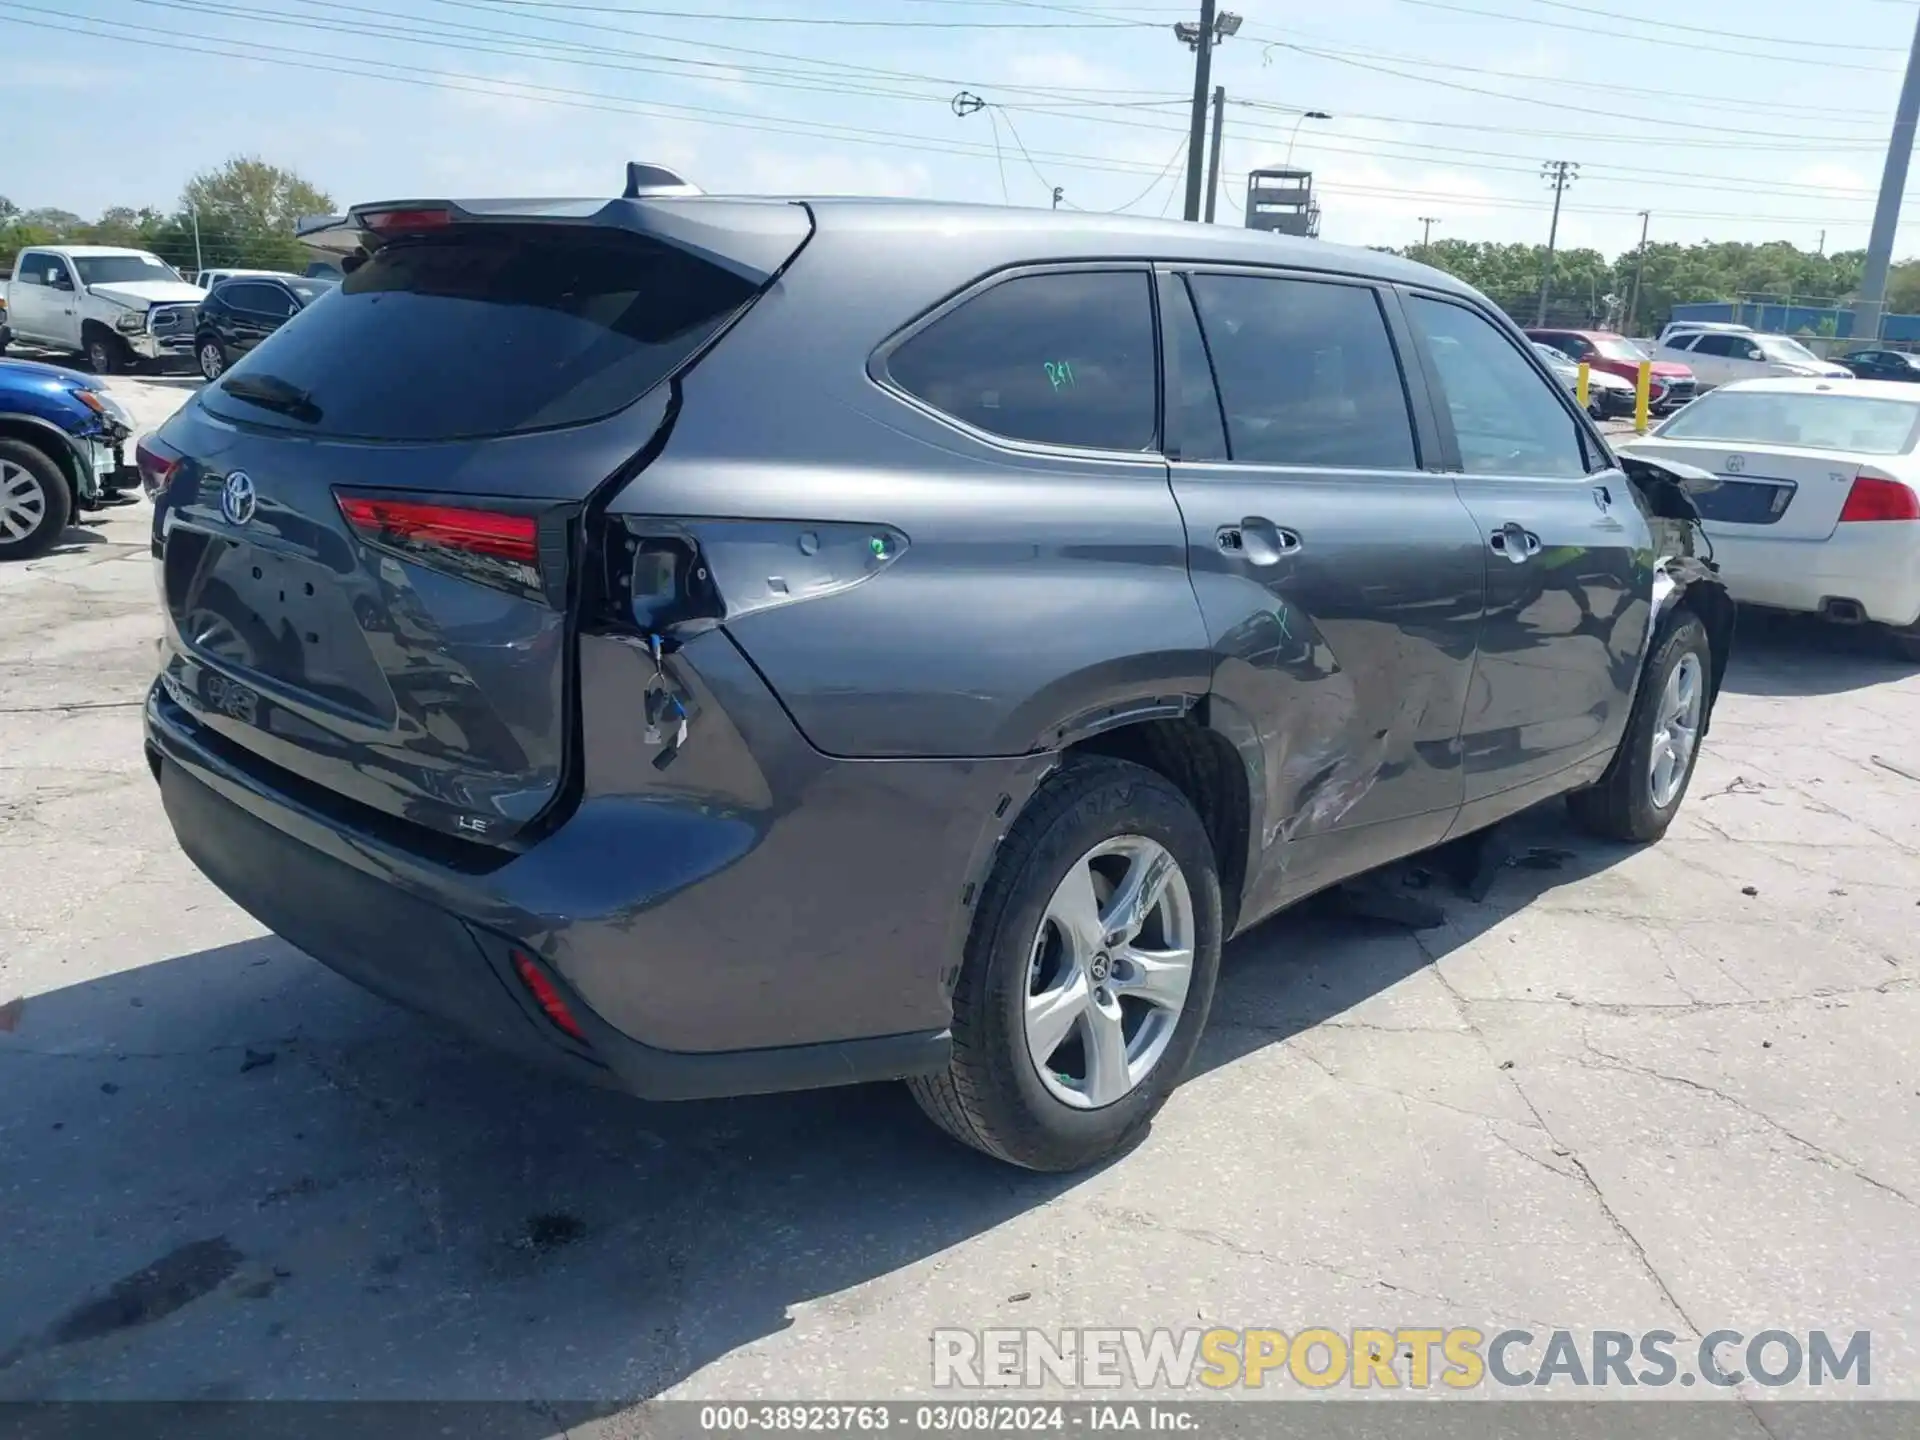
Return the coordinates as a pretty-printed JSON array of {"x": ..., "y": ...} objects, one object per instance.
[
  {"x": 1258, "y": 539},
  {"x": 1514, "y": 541}
]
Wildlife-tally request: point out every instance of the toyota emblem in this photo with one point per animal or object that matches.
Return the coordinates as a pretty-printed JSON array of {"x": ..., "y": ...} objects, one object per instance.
[
  {"x": 237, "y": 498},
  {"x": 1736, "y": 463}
]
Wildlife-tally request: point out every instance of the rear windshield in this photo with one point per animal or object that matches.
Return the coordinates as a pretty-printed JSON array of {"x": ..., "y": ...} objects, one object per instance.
[
  {"x": 1859, "y": 424},
  {"x": 484, "y": 331}
]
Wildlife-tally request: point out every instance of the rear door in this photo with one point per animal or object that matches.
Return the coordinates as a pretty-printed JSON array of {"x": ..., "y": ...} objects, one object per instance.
[
  {"x": 1569, "y": 573},
  {"x": 371, "y": 547},
  {"x": 255, "y": 310},
  {"x": 1711, "y": 358},
  {"x": 1342, "y": 583}
]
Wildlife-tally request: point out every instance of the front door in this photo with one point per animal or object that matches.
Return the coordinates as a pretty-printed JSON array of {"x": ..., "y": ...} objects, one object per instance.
[
  {"x": 1568, "y": 559},
  {"x": 1341, "y": 583}
]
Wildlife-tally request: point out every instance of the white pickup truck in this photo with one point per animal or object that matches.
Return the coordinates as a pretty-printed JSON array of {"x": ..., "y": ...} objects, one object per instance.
[{"x": 114, "y": 306}]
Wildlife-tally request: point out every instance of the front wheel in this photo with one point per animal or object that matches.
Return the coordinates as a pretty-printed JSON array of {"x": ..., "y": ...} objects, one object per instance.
[
  {"x": 34, "y": 501},
  {"x": 1088, "y": 974},
  {"x": 1641, "y": 791},
  {"x": 104, "y": 356}
]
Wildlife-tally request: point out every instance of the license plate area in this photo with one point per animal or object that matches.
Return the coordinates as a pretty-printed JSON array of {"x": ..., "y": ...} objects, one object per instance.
[
  {"x": 256, "y": 613},
  {"x": 1745, "y": 501}
]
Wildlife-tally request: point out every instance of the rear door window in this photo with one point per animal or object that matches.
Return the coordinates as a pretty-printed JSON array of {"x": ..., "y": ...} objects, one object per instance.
[
  {"x": 1508, "y": 419},
  {"x": 1306, "y": 371},
  {"x": 1063, "y": 358},
  {"x": 486, "y": 330}
]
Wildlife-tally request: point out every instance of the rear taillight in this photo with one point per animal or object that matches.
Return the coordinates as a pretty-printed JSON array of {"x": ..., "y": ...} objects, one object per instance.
[
  {"x": 498, "y": 547},
  {"x": 1875, "y": 496},
  {"x": 157, "y": 464},
  {"x": 546, "y": 996},
  {"x": 393, "y": 222}
]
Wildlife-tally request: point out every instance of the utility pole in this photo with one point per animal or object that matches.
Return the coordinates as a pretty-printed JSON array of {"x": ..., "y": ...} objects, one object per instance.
[
  {"x": 1213, "y": 156},
  {"x": 1886, "y": 214},
  {"x": 1201, "y": 38},
  {"x": 1639, "y": 268},
  {"x": 1560, "y": 174},
  {"x": 195, "y": 216},
  {"x": 1427, "y": 222},
  {"x": 1821, "y": 249},
  {"x": 1058, "y": 195}
]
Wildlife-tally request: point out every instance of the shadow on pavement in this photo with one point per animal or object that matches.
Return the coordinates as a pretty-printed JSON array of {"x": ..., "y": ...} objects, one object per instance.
[
  {"x": 1775, "y": 653},
  {"x": 232, "y": 1174}
]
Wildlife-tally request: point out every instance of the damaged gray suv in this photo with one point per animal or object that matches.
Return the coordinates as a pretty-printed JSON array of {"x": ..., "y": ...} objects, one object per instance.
[{"x": 733, "y": 645}]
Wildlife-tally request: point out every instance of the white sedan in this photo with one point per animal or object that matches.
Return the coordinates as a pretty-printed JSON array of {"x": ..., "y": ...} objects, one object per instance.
[{"x": 1816, "y": 501}]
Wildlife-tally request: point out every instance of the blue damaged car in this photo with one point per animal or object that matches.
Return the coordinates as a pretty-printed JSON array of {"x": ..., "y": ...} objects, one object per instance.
[{"x": 63, "y": 453}]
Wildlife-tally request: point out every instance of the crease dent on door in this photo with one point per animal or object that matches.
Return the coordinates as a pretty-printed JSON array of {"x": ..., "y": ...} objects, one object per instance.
[{"x": 1351, "y": 647}]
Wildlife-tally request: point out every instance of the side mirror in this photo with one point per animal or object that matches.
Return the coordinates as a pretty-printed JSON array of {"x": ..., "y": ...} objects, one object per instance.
[
  {"x": 61, "y": 280},
  {"x": 1668, "y": 486}
]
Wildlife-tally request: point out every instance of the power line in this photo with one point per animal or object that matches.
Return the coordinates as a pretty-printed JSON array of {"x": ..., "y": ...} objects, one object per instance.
[
  {"x": 1676, "y": 25},
  {"x": 829, "y": 20},
  {"x": 1588, "y": 31}
]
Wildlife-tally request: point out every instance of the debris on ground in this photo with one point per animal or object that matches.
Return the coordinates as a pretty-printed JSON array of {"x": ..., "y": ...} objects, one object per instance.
[{"x": 1749, "y": 889}]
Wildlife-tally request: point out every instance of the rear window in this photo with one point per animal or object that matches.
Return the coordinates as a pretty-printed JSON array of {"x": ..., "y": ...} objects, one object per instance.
[
  {"x": 1059, "y": 359},
  {"x": 1857, "y": 424},
  {"x": 487, "y": 331}
]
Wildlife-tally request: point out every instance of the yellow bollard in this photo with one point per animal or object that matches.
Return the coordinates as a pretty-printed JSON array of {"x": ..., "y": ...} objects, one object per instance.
[
  {"x": 1580, "y": 385},
  {"x": 1643, "y": 398}
]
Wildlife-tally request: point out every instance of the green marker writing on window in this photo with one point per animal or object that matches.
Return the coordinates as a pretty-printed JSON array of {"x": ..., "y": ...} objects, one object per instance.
[{"x": 1060, "y": 372}]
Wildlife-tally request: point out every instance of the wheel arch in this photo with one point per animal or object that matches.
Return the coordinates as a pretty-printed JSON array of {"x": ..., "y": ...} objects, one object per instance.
[
  {"x": 51, "y": 441},
  {"x": 1207, "y": 767},
  {"x": 1705, "y": 597}
]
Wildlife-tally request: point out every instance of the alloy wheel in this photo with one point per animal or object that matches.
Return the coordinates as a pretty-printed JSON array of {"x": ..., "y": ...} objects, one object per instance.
[
  {"x": 212, "y": 363},
  {"x": 1109, "y": 973},
  {"x": 1676, "y": 730},
  {"x": 23, "y": 502}
]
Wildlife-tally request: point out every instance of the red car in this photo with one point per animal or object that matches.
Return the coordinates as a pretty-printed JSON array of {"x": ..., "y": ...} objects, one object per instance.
[{"x": 1671, "y": 386}]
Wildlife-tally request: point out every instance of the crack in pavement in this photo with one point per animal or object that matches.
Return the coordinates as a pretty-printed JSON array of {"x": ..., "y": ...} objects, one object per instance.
[{"x": 1833, "y": 1160}]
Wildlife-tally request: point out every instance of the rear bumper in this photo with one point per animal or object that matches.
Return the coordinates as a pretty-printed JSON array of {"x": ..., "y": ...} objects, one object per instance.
[
  {"x": 1875, "y": 563},
  {"x": 703, "y": 949}
]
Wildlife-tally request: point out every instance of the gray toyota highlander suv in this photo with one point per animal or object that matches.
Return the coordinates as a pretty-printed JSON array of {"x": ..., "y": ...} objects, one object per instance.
[{"x": 729, "y": 645}]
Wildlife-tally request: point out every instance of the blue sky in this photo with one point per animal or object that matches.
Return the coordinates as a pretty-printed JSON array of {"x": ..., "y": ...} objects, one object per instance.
[{"x": 1767, "y": 119}]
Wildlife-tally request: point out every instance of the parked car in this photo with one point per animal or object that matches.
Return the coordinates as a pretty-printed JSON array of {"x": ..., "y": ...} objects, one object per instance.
[
  {"x": 1607, "y": 395},
  {"x": 62, "y": 453},
  {"x": 112, "y": 305},
  {"x": 1695, "y": 327},
  {"x": 1669, "y": 385},
  {"x": 790, "y": 642},
  {"x": 208, "y": 279},
  {"x": 1883, "y": 365},
  {"x": 1815, "y": 506},
  {"x": 1719, "y": 358},
  {"x": 242, "y": 312}
]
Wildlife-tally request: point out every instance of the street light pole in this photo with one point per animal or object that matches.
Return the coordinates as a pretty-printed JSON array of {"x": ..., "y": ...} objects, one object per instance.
[
  {"x": 1427, "y": 222},
  {"x": 1305, "y": 116},
  {"x": 1639, "y": 268},
  {"x": 1213, "y": 155},
  {"x": 1212, "y": 29},
  {"x": 1886, "y": 213}
]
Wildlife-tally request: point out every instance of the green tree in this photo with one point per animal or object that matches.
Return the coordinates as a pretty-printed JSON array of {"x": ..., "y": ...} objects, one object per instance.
[{"x": 253, "y": 197}]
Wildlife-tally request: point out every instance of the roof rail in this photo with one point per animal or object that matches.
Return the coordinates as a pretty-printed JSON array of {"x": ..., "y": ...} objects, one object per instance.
[{"x": 647, "y": 179}]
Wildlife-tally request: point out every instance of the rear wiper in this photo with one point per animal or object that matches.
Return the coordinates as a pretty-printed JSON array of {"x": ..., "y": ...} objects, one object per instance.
[{"x": 270, "y": 392}]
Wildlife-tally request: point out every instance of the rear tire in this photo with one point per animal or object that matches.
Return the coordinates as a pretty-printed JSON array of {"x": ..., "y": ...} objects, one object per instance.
[
  {"x": 213, "y": 359},
  {"x": 1904, "y": 641},
  {"x": 35, "y": 504},
  {"x": 993, "y": 1095},
  {"x": 1637, "y": 798}
]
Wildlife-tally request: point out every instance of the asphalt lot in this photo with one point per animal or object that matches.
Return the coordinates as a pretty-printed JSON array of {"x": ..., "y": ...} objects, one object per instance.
[{"x": 1677, "y": 1089}]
